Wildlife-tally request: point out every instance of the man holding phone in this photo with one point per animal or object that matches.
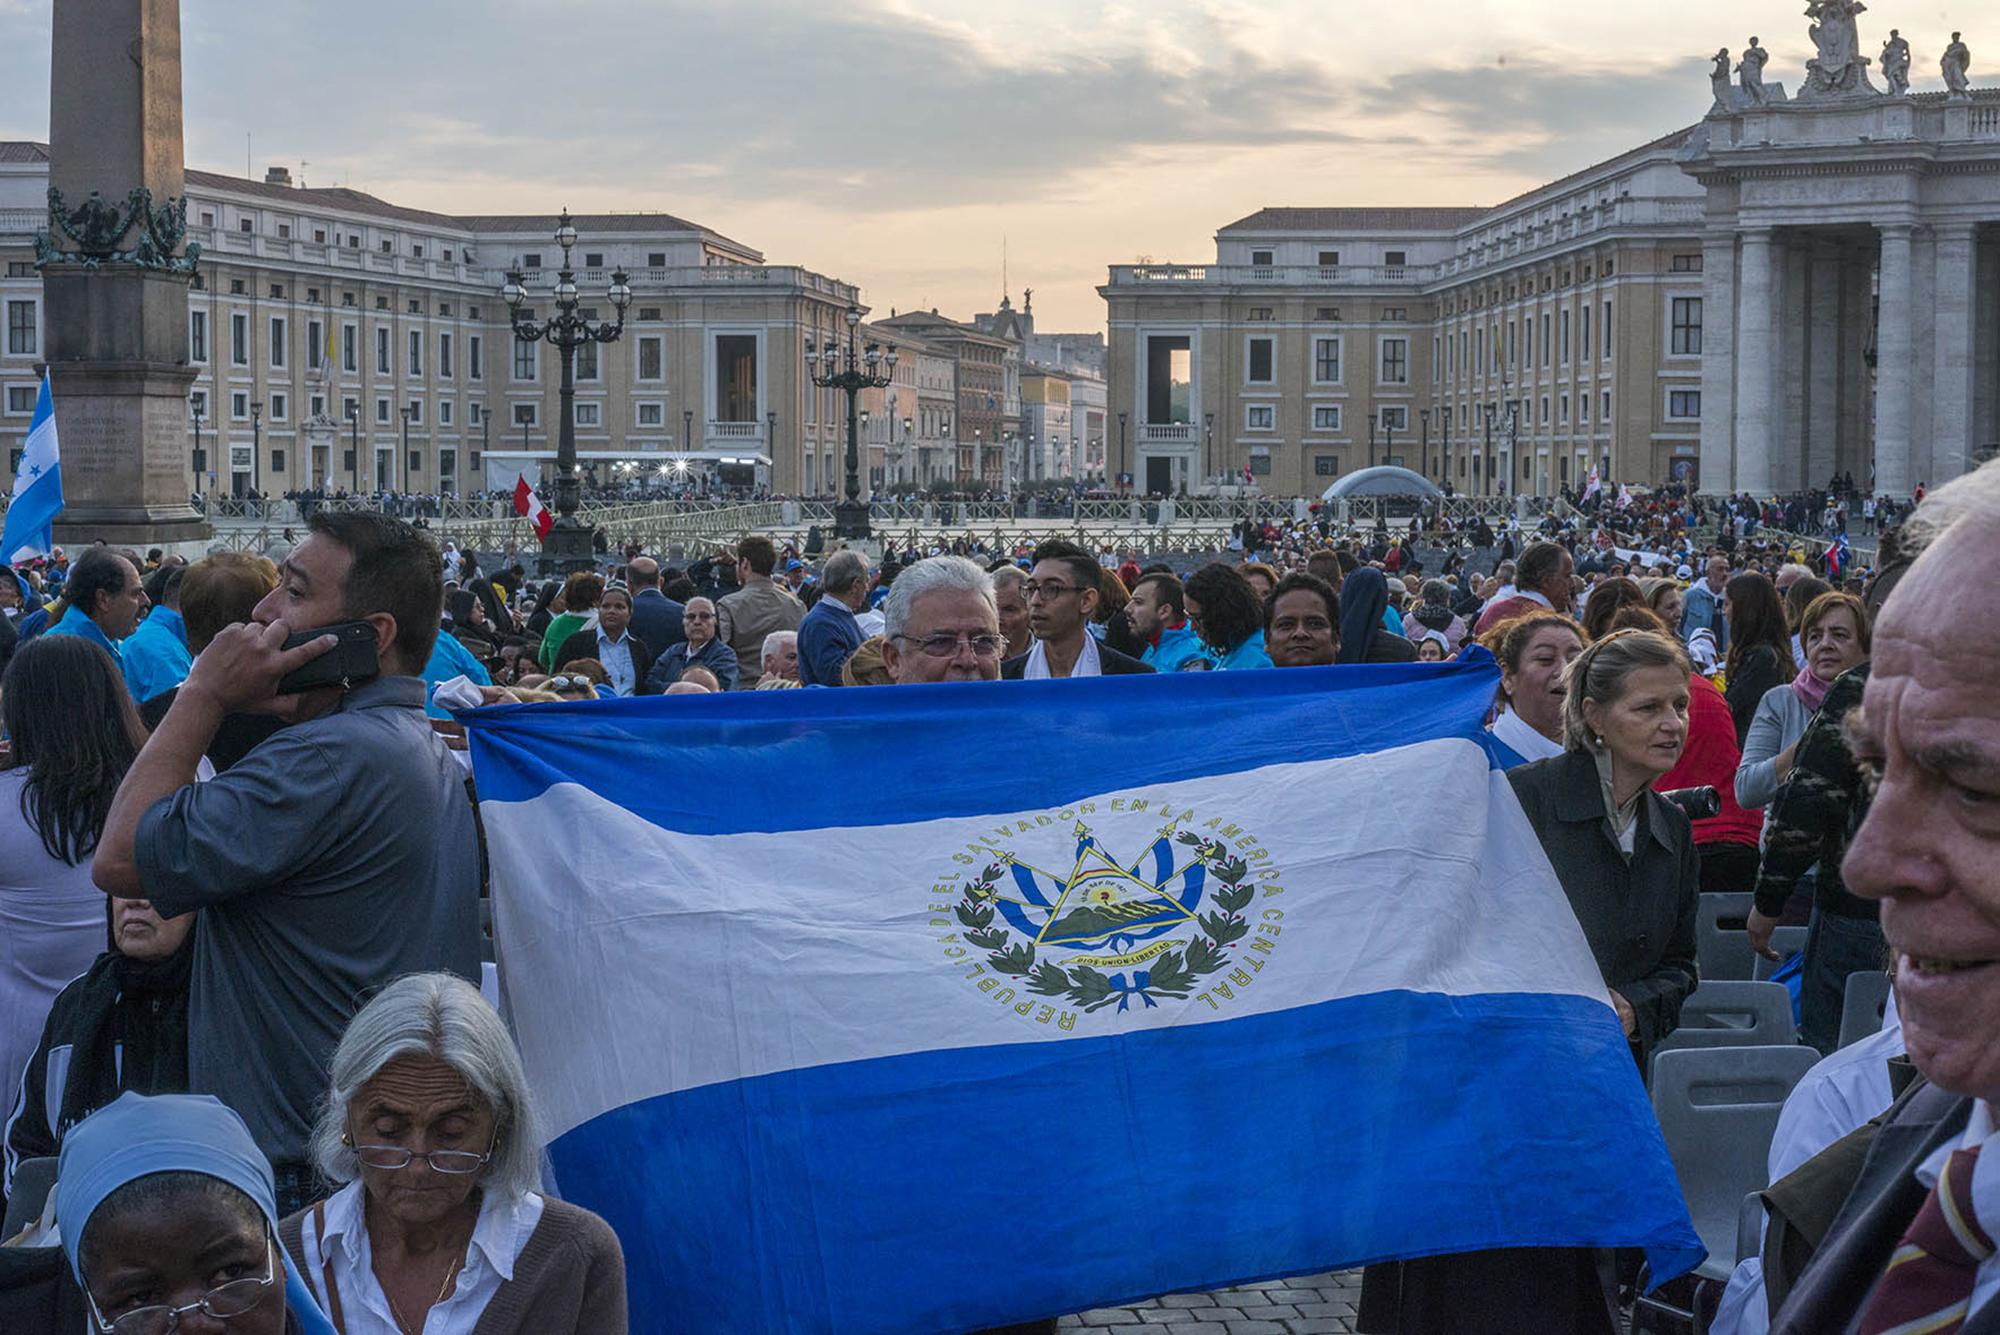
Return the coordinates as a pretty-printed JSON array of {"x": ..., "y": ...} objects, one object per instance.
[{"x": 336, "y": 856}]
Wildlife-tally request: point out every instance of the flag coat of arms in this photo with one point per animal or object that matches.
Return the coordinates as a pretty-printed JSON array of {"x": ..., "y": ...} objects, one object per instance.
[{"x": 941, "y": 1007}]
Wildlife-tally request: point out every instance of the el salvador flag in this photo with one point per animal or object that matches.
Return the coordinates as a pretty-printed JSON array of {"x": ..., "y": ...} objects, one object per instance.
[
  {"x": 38, "y": 495},
  {"x": 934, "y": 1008}
]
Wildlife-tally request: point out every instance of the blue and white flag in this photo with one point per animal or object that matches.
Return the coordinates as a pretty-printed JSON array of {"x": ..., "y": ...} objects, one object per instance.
[
  {"x": 940, "y": 1007},
  {"x": 38, "y": 496}
]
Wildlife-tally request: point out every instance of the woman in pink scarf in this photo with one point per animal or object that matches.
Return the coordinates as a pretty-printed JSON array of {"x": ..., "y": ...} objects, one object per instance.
[{"x": 1834, "y": 634}]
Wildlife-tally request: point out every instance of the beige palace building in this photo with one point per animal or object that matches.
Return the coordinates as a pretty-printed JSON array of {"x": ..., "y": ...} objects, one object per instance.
[
  {"x": 426, "y": 389},
  {"x": 1792, "y": 288}
]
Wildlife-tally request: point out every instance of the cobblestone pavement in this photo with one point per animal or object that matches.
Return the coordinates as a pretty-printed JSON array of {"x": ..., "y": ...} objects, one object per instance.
[{"x": 1309, "y": 1305}]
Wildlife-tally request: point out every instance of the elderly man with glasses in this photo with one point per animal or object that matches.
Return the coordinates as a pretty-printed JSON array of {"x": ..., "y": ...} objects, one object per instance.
[
  {"x": 939, "y": 624},
  {"x": 1062, "y": 602}
]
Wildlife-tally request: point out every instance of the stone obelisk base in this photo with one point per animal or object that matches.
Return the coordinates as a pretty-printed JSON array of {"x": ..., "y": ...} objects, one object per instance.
[{"x": 122, "y": 429}]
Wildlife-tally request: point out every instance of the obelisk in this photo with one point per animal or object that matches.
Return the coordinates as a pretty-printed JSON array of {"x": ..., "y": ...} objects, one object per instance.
[{"x": 115, "y": 273}]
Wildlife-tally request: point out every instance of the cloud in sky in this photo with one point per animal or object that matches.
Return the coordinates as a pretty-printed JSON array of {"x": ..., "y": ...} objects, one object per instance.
[{"x": 900, "y": 143}]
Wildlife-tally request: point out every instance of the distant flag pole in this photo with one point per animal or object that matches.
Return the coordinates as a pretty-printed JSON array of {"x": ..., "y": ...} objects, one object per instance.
[
  {"x": 526, "y": 502},
  {"x": 38, "y": 493}
]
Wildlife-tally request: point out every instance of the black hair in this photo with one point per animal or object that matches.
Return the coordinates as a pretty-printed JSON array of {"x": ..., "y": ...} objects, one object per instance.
[
  {"x": 98, "y": 571},
  {"x": 1231, "y": 611},
  {"x": 75, "y": 731},
  {"x": 165, "y": 1194},
  {"x": 164, "y": 585},
  {"x": 1170, "y": 592},
  {"x": 1300, "y": 580},
  {"x": 395, "y": 569}
]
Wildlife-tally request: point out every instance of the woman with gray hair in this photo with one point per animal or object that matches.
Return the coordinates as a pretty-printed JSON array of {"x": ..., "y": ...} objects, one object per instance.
[{"x": 438, "y": 1228}]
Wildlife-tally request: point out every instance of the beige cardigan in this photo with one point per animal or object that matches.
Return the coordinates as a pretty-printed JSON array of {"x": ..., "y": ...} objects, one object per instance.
[{"x": 568, "y": 1280}]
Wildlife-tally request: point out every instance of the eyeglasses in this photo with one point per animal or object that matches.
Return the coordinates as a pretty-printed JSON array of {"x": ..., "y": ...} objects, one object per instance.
[
  {"x": 570, "y": 683},
  {"x": 1048, "y": 588},
  {"x": 389, "y": 1158},
  {"x": 221, "y": 1302},
  {"x": 947, "y": 646}
]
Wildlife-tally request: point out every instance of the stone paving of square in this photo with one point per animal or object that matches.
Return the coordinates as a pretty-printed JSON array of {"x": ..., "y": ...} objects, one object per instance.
[{"x": 1307, "y": 1305}]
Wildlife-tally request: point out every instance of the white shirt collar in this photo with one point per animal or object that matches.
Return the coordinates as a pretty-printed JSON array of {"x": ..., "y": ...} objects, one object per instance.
[
  {"x": 499, "y": 1235},
  {"x": 1528, "y": 744},
  {"x": 1088, "y": 664},
  {"x": 1534, "y": 597}
]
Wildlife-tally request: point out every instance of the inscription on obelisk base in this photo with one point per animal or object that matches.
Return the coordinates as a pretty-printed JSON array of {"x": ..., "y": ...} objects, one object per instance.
[{"x": 115, "y": 273}]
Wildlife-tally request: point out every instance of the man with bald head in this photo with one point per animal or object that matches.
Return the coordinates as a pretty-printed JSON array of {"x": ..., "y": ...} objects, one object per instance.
[
  {"x": 1912, "y": 1246},
  {"x": 656, "y": 618}
]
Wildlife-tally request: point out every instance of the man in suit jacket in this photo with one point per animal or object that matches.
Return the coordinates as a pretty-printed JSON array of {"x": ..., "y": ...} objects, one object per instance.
[
  {"x": 656, "y": 618},
  {"x": 1929, "y": 851},
  {"x": 1062, "y": 602},
  {"x": 829, "y": 635}
]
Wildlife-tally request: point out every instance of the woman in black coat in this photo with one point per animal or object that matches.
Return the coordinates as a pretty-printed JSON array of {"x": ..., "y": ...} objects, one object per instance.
[{"x": 1625, "y": 857}]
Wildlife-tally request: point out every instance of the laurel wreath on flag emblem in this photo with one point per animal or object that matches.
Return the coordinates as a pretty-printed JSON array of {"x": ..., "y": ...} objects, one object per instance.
[{"x": 1173, "y": 972}]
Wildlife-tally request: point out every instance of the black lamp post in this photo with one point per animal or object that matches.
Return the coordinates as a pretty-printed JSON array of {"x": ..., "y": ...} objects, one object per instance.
[
  {"x": 1122, "y": 470},
  {"x": 1444, "y": 454},
  {"x": 1372, "y": 417},
  {"x": 1207, "y": 445},
  {"x": 1424, "y": 448},
  {"x": 851, "y": 372},
  {"x": 200, "y": 463},
  {"x": 256, "y": 442},
  {"x": 1486, "y": 484},
  {"x": 354, "y": 445},
  {"x": 408, "y": 410},
  {"x": 568, "y": 546}
]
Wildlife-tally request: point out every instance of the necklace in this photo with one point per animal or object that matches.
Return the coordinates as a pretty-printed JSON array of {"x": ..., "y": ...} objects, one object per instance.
[{"x": 451, "y": 1273}]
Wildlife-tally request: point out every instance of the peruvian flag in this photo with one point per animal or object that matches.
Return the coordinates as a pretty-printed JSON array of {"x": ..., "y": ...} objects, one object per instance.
[{"x": 529, "y": 504}]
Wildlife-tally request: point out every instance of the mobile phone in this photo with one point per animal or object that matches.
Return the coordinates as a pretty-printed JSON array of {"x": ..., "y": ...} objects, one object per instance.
[{"x": 350, "y": 662}]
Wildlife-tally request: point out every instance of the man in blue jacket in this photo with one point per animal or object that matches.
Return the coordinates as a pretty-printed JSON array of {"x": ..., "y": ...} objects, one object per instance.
[
  {"x": 656, "y": 618},
  {"x": 829, "y": 634},
  {"x": 1159, "y": 617}
]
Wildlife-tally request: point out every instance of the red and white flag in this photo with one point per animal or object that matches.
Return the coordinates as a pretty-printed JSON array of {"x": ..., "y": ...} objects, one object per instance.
[{"x": 529, "y": 504}]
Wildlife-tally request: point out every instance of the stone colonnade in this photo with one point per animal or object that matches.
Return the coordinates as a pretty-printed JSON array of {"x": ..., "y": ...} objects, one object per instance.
[{"x": 1826, "y": 348}]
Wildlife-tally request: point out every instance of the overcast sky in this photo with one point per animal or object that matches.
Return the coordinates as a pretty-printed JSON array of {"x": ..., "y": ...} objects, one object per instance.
[{"x": 899, "y": 143}]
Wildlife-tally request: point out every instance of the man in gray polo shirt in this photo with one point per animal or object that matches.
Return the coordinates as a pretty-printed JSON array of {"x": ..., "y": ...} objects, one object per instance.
[{"x": 336, "y": 856}]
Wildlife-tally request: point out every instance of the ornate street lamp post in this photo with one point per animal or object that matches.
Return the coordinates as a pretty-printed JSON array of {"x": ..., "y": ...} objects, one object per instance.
[
  {"x": 568, "y": 546},
  {"x": 850, "y": 373}
]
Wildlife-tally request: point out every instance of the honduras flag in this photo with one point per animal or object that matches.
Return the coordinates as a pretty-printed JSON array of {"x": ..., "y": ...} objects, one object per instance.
[
  {"x": 38, "y": 495},
  {"x": 931, "y": 1008}
]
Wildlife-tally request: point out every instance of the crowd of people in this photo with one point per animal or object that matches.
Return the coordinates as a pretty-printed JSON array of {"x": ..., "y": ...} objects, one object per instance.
[{"x": 248, "y": 997}]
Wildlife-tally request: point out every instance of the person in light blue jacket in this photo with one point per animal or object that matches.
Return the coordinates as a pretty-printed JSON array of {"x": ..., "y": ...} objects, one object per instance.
[
  {"x": 156, "y": 657},
  {"x": 1157, "y": 610}
]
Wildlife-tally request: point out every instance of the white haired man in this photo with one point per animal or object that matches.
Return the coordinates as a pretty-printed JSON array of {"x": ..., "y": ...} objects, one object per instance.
[
  {"x": 781, "y": 660},
  {"x": 830, "y": 634},
  {"x": 939, "y": 624},
  {"x": 1911, "y": 1247}
]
